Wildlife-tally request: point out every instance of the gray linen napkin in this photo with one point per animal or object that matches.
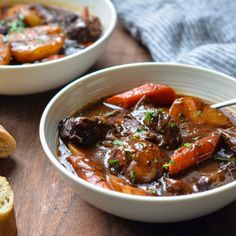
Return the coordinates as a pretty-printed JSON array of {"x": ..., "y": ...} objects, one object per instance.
[{"x": 196, "y": 32}]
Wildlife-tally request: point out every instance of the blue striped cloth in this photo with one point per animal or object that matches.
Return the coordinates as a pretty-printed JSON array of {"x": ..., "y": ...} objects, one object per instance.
[{"x": 196, "y": 32}]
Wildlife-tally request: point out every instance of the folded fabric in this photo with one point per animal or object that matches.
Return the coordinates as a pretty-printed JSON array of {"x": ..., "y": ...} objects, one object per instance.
[{"x": 196, "y": 32}]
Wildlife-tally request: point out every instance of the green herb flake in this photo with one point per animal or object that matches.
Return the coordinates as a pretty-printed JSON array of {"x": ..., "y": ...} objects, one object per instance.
[
  {"x": 199, "y": 113},
  {"x": 173, "y": 125},
  {"x": 118, "y": 142},
  {"x": 167, "y": 165},
  {"x": 148, "y": 115},
  {"x": 98, "y": 144},
  {"x": 155, "y": 160},
  {"x": 17, "y": 25},
  {"x": 115, "y": 164},
  {"x": 160, "y": 109},
  {"x": 141, "y": 130},
  {"x": 21, "y": 17},
  {"x": 136, "y": 136},
  {"x": 144, "y": 145},
  {"x": 107, "y": 114},
  {"x": 225, "y": 159},
  {"x": 188, "y": 145},
  {"x": 132, "y": 176},
  {"x": 2, "y": 22}
]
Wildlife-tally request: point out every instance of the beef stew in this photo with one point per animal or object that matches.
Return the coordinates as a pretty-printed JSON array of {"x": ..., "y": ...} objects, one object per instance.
[{"x": 149, "y": 141}]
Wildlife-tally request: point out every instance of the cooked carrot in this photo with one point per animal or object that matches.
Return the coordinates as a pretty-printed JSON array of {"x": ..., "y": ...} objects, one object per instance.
[
  {"x": 191, "y": 154},
  {"x": 157, "y": 93}
]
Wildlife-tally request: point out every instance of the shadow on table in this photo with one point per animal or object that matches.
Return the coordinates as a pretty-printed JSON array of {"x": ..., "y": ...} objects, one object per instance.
[
  {"x": 221, "y": 222},
  {"x": 7, "y": 166}
]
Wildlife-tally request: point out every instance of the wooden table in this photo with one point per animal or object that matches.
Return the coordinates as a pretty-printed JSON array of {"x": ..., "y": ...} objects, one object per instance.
[{"x": 45, "y": 205}]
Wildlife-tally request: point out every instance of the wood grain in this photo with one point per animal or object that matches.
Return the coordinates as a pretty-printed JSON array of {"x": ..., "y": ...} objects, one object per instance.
[{"x": 45, "y": 205}]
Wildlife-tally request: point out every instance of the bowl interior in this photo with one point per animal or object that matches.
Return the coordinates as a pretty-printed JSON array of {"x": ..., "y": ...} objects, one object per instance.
[
  {"x": 187, "y": 80},
  {"x": 99, "y": 8}
]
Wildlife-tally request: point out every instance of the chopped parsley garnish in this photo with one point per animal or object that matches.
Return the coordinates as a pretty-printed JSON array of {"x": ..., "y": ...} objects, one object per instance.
[
  {"x": 199, "y": 113},
  {"x": 155, "y": 160},
  {"x": 173, "y": 125},
  {"x": 107, "y": 114},
  {"x": 141, "y": 130},
  {"x": 188, "y": 145},
  {"x": 98, "y": 144},
  {"x": 118, "y": 127},
  {"x": 2, "y": 22},
  {"x": 118, "y": 142},
  {"x": 17, "y": 25},
  {"x": 225, "y": 159},
  {"x": 168, "y": 164},
  {"x": 144, "y": 145},
  {"x": 136, "y": 136},
  {"x": 21, "y": 17},
  {"x": 132, "y": 176},
  {"x": 149, "y": 114},
  {"x": 115, "y": 164},
  {"x": 160, "y": 109}
]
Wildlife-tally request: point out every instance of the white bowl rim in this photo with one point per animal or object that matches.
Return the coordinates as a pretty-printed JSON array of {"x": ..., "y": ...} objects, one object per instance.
[
  {"x": 77, "y": 179},
  {"x": 103, "y": 37}
]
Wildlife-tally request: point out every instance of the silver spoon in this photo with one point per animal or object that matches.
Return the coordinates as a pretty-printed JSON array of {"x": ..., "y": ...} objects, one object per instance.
[{"x": 224, "y": 104}]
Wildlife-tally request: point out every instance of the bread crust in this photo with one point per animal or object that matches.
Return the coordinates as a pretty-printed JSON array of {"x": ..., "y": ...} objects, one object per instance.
[{"x": 7, "y": 143}]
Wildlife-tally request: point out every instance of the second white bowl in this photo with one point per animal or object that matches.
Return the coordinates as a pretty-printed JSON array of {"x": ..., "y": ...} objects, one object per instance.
[{"x": 34, "y": 78}]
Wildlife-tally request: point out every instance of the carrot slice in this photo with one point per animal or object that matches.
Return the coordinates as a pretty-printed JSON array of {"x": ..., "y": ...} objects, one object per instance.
[
  {"x": 157, "y": 93},
  {"x": 192, "y": 154}
]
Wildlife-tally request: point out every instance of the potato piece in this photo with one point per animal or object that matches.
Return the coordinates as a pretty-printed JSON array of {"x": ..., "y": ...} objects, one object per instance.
[
  {"x": 7, "y": 143},
  {"x": 88, "y": 170},
  {"x": 5, "y": 52},
  {"x": 7, "y": 214},
  {"x": 28, "y": 13},
  {"x": 120, "y": 185},
  {"x": 36, "y": 43},
  {"x": 194, "y": 109}
]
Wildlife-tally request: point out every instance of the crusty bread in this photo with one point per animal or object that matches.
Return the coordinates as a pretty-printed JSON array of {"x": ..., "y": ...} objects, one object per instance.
[
  {"x": 7, "y": 143},
  {"x": 7, "y": 215}
]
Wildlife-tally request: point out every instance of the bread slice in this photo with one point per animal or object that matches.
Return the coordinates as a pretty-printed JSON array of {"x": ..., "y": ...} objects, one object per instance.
[
  {"x": 7, "y": 214},
  {"x": 7, "y": 143}
]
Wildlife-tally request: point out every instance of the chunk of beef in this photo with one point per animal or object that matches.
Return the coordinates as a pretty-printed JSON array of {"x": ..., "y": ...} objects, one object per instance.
[
  {"x": 83, "y": 131},
  {"x": 140, "y": 161},
  {"x": 126, "y": 125},
  {"x": 157, "y": 120},
  {"x": 82, "y": 31}
]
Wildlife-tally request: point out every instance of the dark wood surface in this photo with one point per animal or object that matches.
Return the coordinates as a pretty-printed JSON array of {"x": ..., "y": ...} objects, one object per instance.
[{"x": 45, "y": 205}]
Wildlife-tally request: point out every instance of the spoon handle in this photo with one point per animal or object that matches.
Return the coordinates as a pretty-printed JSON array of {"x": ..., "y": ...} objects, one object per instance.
[{"x": 224, "y": 104}]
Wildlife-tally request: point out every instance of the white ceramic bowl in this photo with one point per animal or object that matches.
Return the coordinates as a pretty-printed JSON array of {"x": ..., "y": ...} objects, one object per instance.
[
  {"x": 34, "y": 78},
  {"x": 185, "y": 79}
]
